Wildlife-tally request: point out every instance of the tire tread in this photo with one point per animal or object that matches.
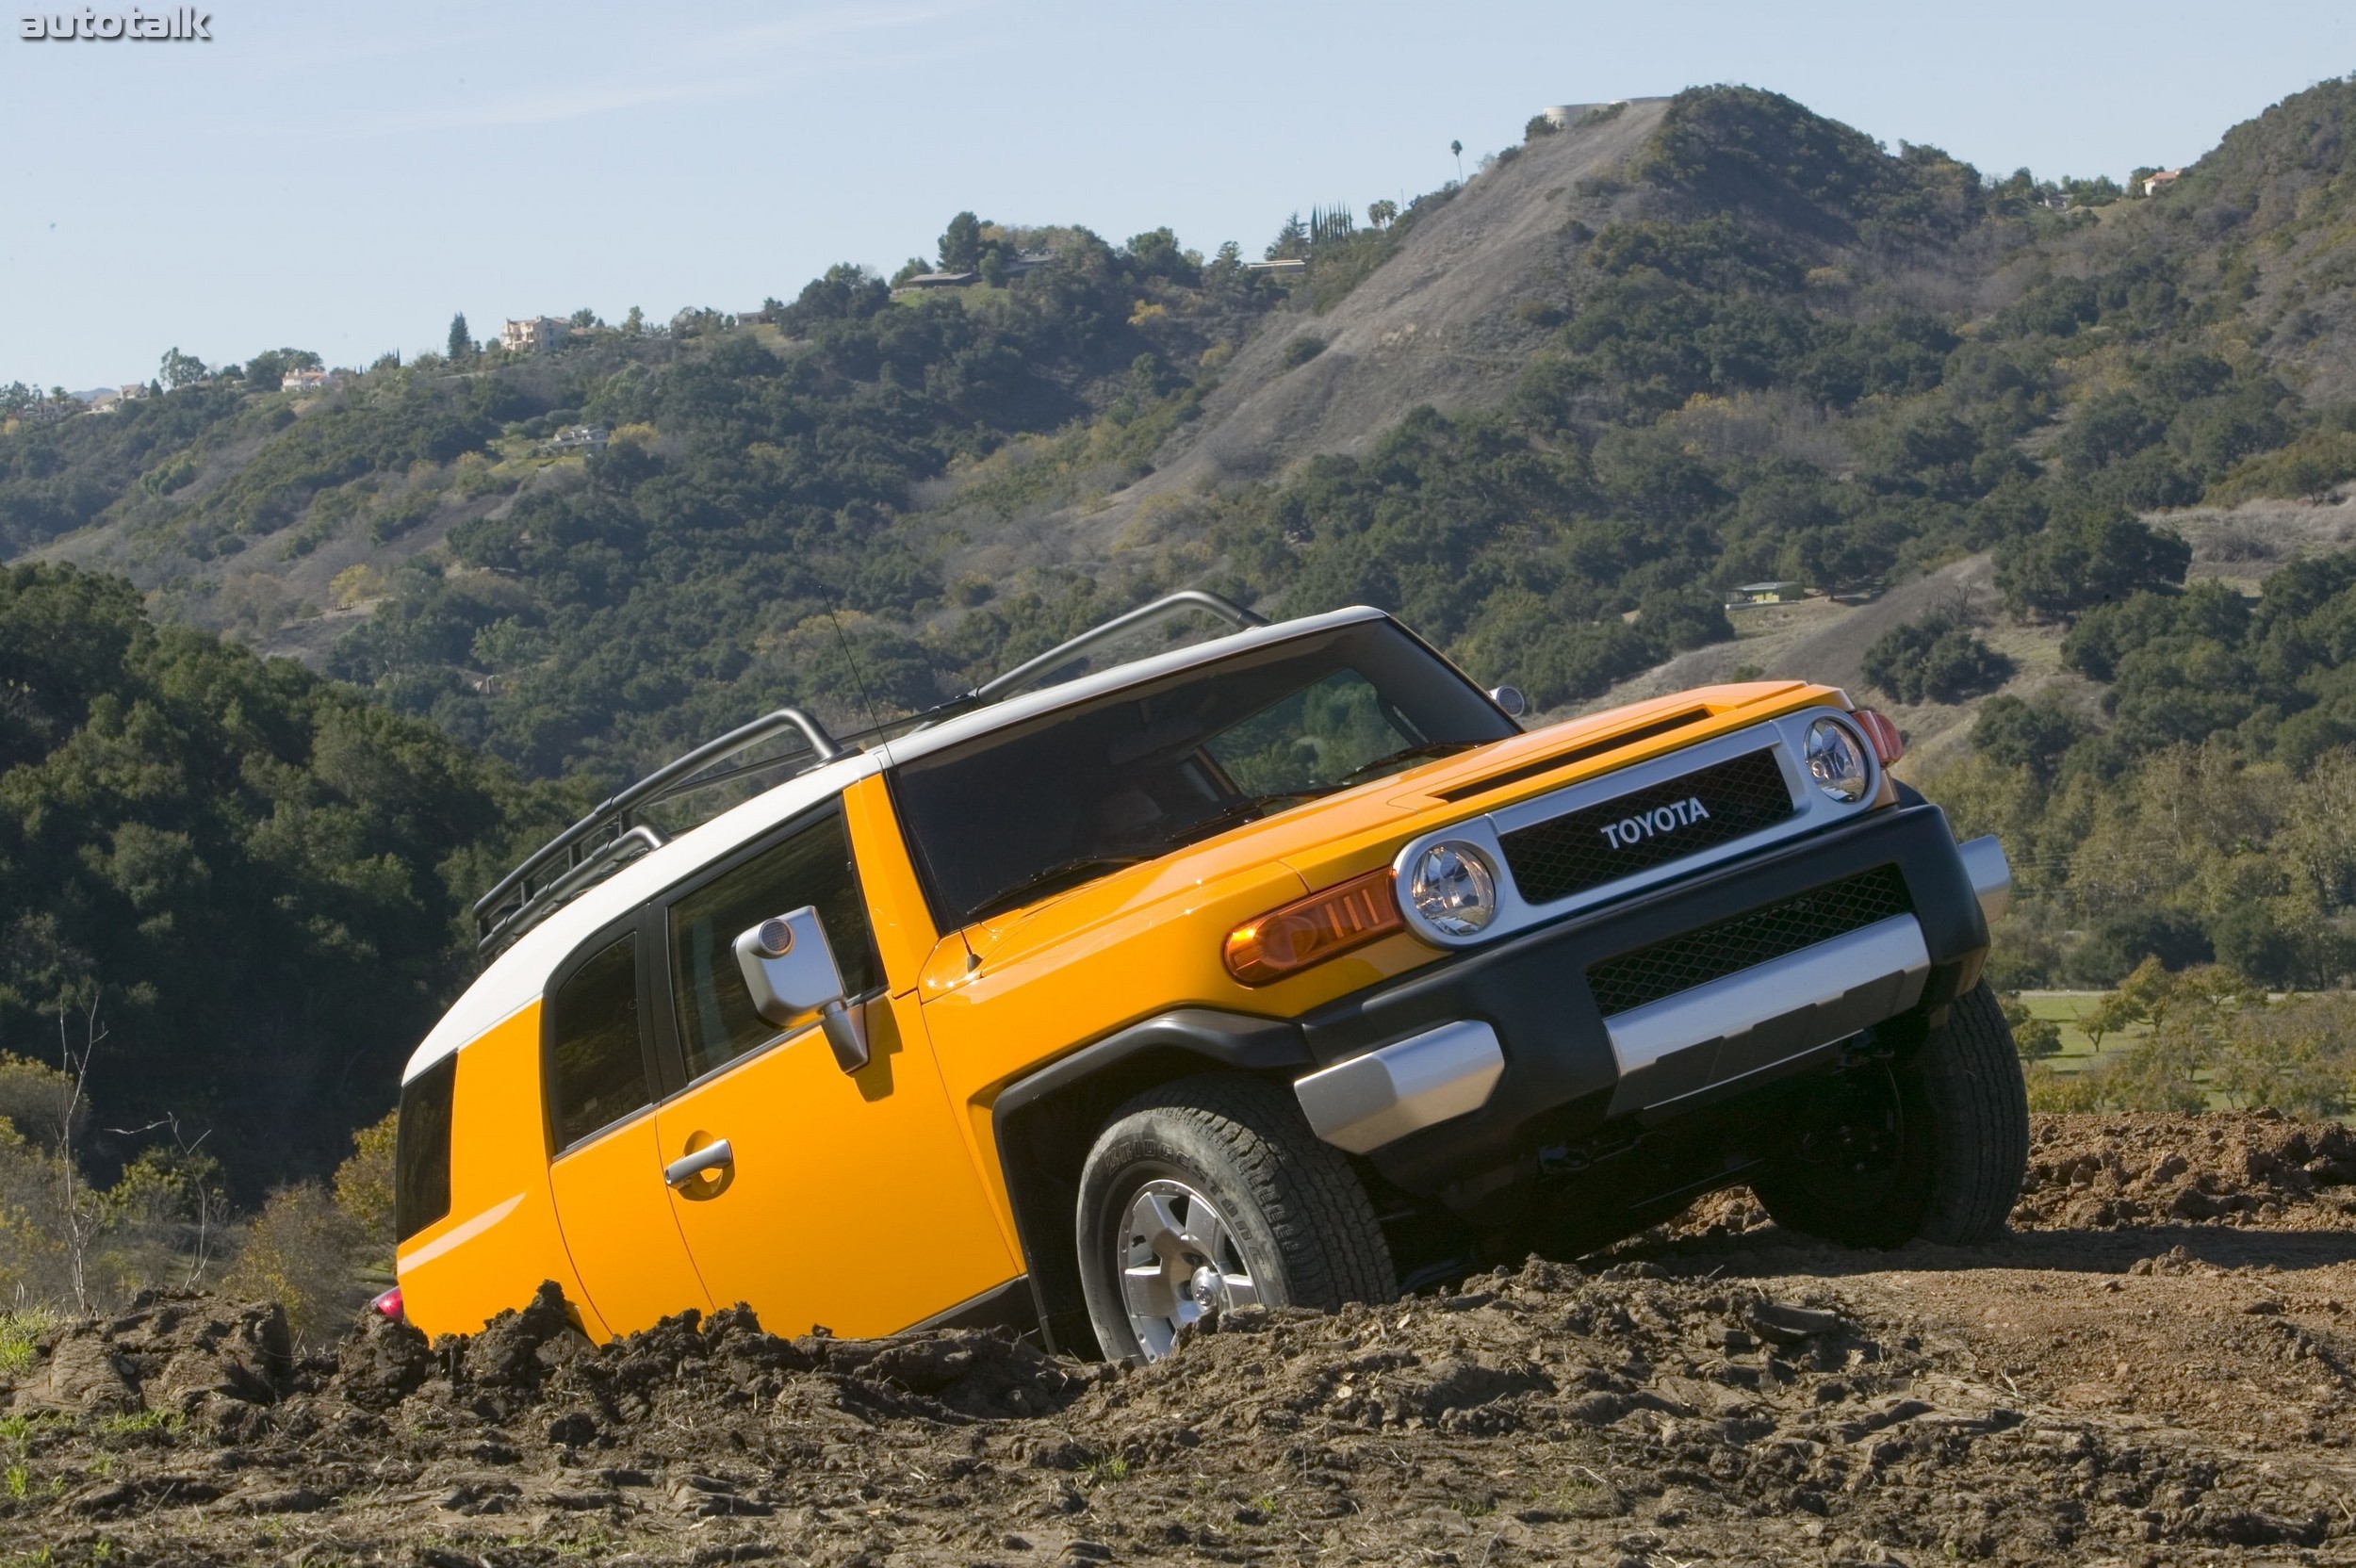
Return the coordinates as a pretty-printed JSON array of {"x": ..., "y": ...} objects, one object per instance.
[{"x": 1981, "y": 1108}]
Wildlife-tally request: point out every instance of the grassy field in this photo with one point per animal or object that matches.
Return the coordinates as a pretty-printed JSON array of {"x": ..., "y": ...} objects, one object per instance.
[{"x": 2066, "y": 1008}]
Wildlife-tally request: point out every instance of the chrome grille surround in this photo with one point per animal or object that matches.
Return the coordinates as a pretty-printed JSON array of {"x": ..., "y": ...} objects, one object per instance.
[{"x": 1783, "y": 737}]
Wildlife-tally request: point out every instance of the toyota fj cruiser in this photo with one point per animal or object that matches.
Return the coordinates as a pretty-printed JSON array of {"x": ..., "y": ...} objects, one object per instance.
[{"x": 1283, "y": 968}]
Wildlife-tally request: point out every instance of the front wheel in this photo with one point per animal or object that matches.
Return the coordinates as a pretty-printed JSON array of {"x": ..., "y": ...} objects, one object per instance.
[
  {"x": 1213, "y": 1192},
  {"x": 1931, "y": 1146}
]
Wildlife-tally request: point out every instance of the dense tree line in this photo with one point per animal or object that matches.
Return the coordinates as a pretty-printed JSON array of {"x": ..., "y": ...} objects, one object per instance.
[{"x": 253, "y": 877}]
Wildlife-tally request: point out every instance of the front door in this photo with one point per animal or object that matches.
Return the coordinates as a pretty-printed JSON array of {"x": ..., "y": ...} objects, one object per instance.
[
  {"x": 606, "y": 1176},
  {"x": 849, "y": 1201}
]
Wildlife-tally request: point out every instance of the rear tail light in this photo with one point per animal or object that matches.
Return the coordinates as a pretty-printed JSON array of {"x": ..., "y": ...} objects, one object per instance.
[
  {"x": 389, "y": 1303},
  {"x": 1311, "y": 930},
  {"x": 1888, "y": 745}
]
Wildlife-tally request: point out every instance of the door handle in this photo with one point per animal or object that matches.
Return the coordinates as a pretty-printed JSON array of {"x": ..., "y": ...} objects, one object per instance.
[{"x": 715, "y": 1156}]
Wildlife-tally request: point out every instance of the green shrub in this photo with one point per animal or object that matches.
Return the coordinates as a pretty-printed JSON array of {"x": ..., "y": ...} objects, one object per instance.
[{"x": 1934, "y": 659}]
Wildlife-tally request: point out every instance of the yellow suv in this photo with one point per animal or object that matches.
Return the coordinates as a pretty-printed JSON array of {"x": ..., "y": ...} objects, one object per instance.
[{"x": 1283, "y": 968}]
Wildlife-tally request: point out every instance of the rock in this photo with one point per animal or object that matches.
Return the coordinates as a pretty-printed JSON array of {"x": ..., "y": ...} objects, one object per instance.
[{"x": 1781, "y": 1323}]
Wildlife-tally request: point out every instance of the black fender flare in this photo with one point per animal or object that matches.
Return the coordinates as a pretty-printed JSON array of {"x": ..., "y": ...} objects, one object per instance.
[{"x": 1044, "y": 1121}]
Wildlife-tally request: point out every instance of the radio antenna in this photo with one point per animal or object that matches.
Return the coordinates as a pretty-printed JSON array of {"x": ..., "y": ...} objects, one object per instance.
[{"x": 858, "y": 676}]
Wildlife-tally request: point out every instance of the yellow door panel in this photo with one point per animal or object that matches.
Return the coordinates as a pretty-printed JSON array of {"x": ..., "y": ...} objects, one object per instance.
[
  {"x": 626, "y": 1247},
  {"x": 850, "y": 1202},
  {"x": 500, "y": 1239}
]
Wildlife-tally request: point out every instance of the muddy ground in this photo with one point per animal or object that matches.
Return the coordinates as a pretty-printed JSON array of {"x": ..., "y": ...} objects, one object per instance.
[{"x": 2157, "y": 1367}]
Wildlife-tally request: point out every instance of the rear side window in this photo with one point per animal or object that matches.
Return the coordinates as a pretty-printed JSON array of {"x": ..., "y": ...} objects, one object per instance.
[
  {"x": 716, "y": 1020},
  {"x": 597, "y": 1069},
  {"x": 421, "y": 1149}
]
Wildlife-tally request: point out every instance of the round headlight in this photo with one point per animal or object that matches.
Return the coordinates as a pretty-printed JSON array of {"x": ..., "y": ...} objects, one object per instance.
[
  {"x": 1836, "y": 759},
  {"x": 1453, "y": 889}
]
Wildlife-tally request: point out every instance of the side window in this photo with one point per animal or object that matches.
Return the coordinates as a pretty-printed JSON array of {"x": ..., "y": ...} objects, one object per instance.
[
  {"x": 597, "y": 1067},
  {"x": 421, "y": 1149},
  {"x": 716, "y": 1020}
]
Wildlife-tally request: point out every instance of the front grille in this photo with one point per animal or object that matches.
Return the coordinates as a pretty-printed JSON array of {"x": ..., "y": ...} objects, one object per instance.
[
  {"x": 1647, "y": 827},
  {"x": 1713, "y": 952}
]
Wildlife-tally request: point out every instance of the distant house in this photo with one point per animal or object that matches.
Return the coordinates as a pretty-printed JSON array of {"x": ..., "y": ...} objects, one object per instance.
[
  {"x": 2152, "y": 183},
  {"x": 1030, "y": 261},
  {"x": 1762, "y": 593},
  {"x": 48, "y": 410},
  {"x": 941, "y": 280},
  {"x": 579, "y": 438},
  {"x": 1287, "y": 264},
  {"x": 536, "y": 334},
  {"x": 104, "y": 403},
  {"x": 303, "y": 381}
]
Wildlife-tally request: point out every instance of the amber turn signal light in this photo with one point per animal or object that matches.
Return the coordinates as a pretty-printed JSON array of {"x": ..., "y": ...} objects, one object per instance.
[
  {"x": 1888, "y": 745},
  {"x": 1311, "y": 930}
]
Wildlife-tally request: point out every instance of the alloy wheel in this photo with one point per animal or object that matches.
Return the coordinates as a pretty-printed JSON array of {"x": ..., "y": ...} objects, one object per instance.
[{"x": 1177, "y": 1257}]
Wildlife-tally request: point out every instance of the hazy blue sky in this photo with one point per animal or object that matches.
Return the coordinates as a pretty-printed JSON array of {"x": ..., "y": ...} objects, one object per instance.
[{"x": 342, "y": 178}]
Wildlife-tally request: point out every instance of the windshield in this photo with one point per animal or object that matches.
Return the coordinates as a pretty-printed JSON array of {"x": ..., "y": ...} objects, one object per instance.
[{"x": 1043, "y": 807}]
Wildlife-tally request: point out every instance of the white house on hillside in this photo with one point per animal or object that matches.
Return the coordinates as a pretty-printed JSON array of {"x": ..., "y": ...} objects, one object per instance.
[{"x": 533, "y": 336}]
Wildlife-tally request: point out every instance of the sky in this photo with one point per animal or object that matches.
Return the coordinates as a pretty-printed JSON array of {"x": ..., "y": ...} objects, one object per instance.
[{"x": 343, "y": 177}]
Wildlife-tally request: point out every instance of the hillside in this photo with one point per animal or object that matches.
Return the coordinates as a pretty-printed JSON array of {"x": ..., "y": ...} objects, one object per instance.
[{"x": 1550, "y": 417}]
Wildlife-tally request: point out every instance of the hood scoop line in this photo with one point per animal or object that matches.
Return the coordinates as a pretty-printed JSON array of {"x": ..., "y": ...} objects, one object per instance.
[{"x": 1576, "y": 754}]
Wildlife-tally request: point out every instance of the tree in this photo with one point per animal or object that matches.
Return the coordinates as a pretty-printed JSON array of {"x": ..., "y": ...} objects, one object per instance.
[
  {"x": 2032, "y": 1037},
  {"x": 635, "y": 323},
  {"x": 1935, "y": 659},
  {"x": 1291, "y": 241},
  {"x": 2028, "y": 736},
  {"x": 181, "y": 369},
  {"x": 1380, "y": 214},
  {"x": 2094, "y": 558},
  {"x": 1457, "y": 148},
  {"x": 961, "y": 244},
  {"x": 461, "y": 342},
  {"x": 583, "y": 318}
]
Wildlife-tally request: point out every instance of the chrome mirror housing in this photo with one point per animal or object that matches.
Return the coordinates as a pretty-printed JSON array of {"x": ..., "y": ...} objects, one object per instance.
[{"x": 791, "y": 973}]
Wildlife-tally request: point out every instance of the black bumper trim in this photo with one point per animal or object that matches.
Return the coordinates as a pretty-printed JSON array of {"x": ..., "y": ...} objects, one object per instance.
[{"x": 1533, "y": 988}]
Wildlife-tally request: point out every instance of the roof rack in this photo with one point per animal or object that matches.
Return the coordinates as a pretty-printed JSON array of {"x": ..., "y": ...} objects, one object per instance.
[
  {"x": 606, "y": 840},
  {"x": 1118, "y": 627},
  {"x": 515, "y": 906}
]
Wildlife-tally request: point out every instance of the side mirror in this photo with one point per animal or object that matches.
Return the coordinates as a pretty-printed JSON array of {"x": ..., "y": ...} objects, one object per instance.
[
  {"x": 1510, "y": 699},
  {"x": 791, "y": 972}
]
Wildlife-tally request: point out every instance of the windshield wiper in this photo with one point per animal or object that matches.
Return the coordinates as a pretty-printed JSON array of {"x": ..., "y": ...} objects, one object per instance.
[
  {"x": 1408, "y": 753},
  {"x": 1062, "y": 875}
]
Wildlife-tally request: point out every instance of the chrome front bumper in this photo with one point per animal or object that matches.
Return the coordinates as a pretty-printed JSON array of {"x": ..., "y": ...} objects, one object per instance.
[
  {"x": 1694, "y": 1042},
  {"x": 1372, "y": 1099},
  {"x": 1703, "y": 1038}
]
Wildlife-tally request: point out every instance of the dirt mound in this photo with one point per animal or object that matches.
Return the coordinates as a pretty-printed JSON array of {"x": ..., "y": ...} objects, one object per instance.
[
  {"x": 2131, "y": 1385},
  {"x": 2098, "y": 1172},
  {"x": 1622, "y": 1416},
  {"x": 2244, "y": 1169}
]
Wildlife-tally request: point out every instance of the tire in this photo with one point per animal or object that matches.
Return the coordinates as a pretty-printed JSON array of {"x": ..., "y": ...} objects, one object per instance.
[
  {"x": 1227, "y": 1177},
  {"x": 1933, "y": 1145}
]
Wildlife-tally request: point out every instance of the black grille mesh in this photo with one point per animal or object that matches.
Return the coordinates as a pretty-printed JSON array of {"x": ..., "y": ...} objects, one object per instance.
[
  {"x": 1572, "y": 853},
  {"x": 1713, "y": 952}
]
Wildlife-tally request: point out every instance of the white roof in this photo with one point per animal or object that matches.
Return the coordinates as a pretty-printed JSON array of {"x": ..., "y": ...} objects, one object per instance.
[{"x": 517, "y": 976}]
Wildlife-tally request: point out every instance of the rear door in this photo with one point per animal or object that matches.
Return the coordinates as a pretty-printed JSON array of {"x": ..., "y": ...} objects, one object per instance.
[
  {"x": 850, "y": 1202},
  {"x": 607, "y": 1170}
]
